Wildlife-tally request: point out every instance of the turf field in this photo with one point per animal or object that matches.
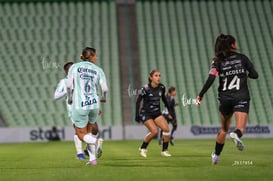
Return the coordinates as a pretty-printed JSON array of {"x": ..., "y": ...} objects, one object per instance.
[{"x": 121, "y": 161}]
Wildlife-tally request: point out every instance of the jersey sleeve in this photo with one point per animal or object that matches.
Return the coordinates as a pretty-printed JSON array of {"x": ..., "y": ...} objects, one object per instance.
[
  {"x": 252, "y": 73},
  {"x": 103, "y": 82},
  {"x": 60, "y": 91},
  {"x": 213, "y": 69},
  {"x": 213, "y": 72},
  {"x": 70, "y": 80},
  {"x": 165, "y": 101},
  {"x": 138, "y": 101}
]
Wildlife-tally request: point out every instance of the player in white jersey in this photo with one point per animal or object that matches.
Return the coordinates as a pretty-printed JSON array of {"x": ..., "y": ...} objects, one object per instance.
[
  {"x": 84, "y": 80},
  {"x": 60, "y": 92}
]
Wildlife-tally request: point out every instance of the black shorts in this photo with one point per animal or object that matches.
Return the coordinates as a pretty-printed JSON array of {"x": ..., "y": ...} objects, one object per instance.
[
  {"x": 228, "y": 107},
  {"x": 146, "y": 116}
]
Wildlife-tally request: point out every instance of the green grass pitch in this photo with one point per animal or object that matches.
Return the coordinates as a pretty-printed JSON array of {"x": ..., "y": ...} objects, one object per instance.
[{"x": 121, "y": 161}]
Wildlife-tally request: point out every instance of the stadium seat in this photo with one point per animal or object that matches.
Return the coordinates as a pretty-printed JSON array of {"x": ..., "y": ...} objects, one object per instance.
[
  {"x": 177, "y": 37},
  {"x": 43, "y": 37}
]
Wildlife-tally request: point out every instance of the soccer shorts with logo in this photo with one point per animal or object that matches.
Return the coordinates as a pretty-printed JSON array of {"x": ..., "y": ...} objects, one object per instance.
[
  {"x": 82, "y": 117},
  {"x": 228, "y": 107}
]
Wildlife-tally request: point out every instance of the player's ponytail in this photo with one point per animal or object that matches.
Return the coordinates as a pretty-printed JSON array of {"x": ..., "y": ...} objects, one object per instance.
[{"x": 87, "y": 52}]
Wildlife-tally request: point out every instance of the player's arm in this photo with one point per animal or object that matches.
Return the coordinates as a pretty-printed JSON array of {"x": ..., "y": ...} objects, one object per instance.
[
  {"x": 252, "y": 73},
  {"x": 69, "y": 85},
  {"x": 104, "y": 87},
  {"x": 138, "y": 101},
  {"x": 60, "y": 91},
  {"x": 173, "y": 104},
  {"x": 212, "y": 75},
  {"x": 167, "y": 104}
]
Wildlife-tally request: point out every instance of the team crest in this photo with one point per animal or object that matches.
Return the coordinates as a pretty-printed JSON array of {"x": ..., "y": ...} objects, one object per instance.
[{"x": 160, "y": 93}]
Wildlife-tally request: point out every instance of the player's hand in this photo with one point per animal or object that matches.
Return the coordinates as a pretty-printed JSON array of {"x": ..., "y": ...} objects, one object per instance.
[
  {"x": 69, "y": 101},
  {"x": 199, "y": 100},
  {"x": 103, "y": 100},
  {"x": 170, "y": 117},
  {"x": 100, "y": 113}
]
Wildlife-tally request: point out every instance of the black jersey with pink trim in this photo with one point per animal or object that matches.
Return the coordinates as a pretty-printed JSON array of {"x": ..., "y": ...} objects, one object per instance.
[{"x": 233, "y": 72}]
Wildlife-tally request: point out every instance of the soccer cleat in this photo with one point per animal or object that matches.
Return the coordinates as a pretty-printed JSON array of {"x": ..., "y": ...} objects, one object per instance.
[
  {"x": 215, "y": 158},
  {"x": 80, "y": 156},
  {"x": 99, "y": 148},
  {"x": 143, "y": 152},
  {"x": 165, "y": 153},
  {"x": 239, "y": 144},
  {"x": 93, "y": 162}
]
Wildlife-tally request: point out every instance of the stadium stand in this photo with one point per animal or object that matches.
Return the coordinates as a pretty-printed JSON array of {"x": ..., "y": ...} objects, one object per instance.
[
  {"x": 36, "y": 39},
  {"x": 177, "y": 37}
]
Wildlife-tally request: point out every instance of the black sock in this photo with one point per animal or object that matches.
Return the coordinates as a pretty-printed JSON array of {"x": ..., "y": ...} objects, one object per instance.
[
  {"x": 144, "y": 145},
  {"x": 218, "y": 148},
  {"x": 165, "y": 146},
  {"x": 238, "y": 132}
]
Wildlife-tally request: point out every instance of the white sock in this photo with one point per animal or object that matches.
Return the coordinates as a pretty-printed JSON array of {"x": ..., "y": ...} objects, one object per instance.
[
  {"x": 78, "y": 144},
  {"x": 89, "y": 139},
  {"x": 91, "y": 148}
]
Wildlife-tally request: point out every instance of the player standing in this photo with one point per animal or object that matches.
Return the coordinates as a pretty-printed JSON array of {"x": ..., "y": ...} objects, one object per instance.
[
  {"x": 150, "y": 113},
  {"x": 233, "y": 70},
  {"x": 61, "y": 92},
  {"x": 171, "y": 101},
  {"x": 84, "y": 79}
]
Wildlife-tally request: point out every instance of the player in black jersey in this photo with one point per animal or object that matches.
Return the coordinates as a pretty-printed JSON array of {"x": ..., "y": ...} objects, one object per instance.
[
  {"x": 171, "y": 101},
  {"x": 233, "y": 70},
  {"x": 150, "y": 113}
]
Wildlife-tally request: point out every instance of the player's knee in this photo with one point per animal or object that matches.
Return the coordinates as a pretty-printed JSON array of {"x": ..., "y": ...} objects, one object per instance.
[
  {"x": 223, "y": 131},
  {"x": 95, "y": 131},
  {"x": 154, "y": 132},
  {"x": 166, "y": 133},
  {"x": 166, "y": 130}
]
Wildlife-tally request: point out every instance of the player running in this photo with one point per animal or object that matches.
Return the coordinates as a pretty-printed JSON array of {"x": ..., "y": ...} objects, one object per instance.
[
  {"x": 150, "y": 113},
  {"x": 60, "y": 92},
  {"x": 171, "y": 101},
  {"x": 233, "y": 70},
  {"x": 84, "y": 79}
]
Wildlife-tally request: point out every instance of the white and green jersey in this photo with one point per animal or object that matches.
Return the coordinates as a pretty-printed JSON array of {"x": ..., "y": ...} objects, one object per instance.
[
  {"x": 60, "y": 92},
  {"x": 84, "y": 79}
]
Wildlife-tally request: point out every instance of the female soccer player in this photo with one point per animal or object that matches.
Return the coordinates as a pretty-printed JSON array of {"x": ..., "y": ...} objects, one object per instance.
[
  {"x": 60, "y": 92},
  {"x": 171, "y": 101},
  {"x": 150, "y": 113},
  {"x": 233, "y": 69},
  {"x": 84, "y": 78}
]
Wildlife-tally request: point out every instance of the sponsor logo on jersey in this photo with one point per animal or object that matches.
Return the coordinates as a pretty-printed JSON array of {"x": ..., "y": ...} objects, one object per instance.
[
  {"x": 86, "y": 76},
  {"x": 86, "y": 70},
  {"x": 88, "y": 102}
]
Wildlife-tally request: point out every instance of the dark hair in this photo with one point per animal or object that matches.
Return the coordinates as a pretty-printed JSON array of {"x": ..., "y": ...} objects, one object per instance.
[
  {"x": 171, "y": 89},
  {"x": 67, "y": 64},
  {"x": 87, "y": 52},
  {"x": 151, "y": 74},
  {"x": 222, "y": 46}
]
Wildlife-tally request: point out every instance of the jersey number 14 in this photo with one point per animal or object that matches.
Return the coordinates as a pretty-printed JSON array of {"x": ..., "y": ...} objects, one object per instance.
[{"x": 234, "y": 83}]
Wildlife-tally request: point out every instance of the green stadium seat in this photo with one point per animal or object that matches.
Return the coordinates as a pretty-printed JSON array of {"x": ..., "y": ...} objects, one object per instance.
[
  {"x": 178, "y": 38},
  {"x": 54, "y": 33}
]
